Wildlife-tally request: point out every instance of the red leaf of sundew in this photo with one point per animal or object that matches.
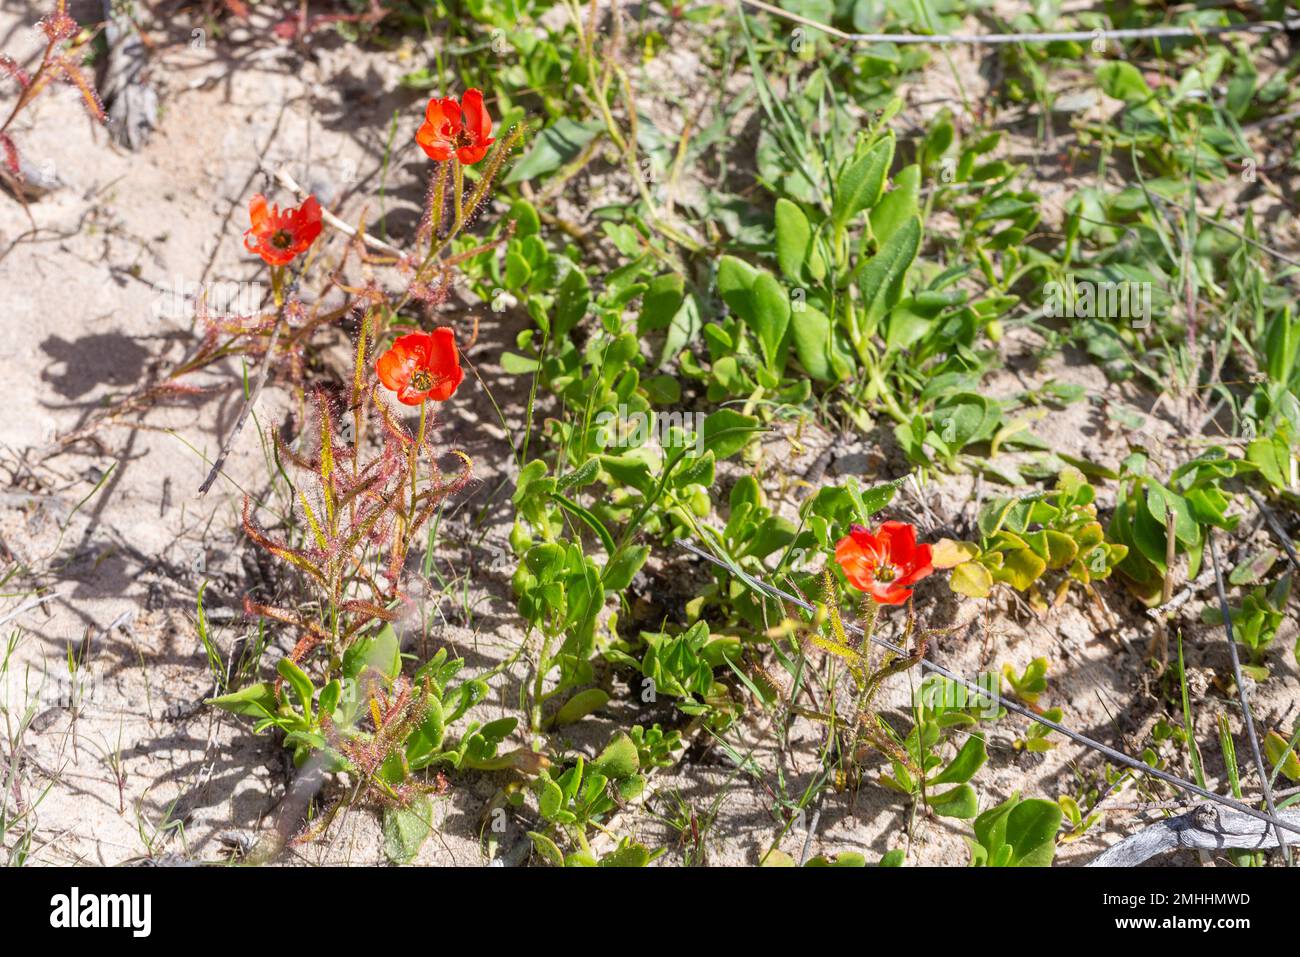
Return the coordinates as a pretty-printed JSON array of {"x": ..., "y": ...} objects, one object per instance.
[
  {"x": 9, "y": 68},
  {"x": 11, "y": 156},
  {"x": 94, "y": 106}
]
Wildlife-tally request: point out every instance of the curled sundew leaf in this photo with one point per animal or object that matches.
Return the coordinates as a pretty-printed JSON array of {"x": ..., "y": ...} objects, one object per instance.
[
  {"x": 360, "y": 488},
  {"x": 837, "y": 625},
  {"x": 392, "y": 426},
  {"x": 488, "y": 173},
  {"x": 9, "y": 67},
  {"x": 283, "y": 615},
  {"x": 301, "y": 461},
  {"x": 11, "y": 159},
  {"x": 457, "y": 258},
  {"x": 326, "y": 454},
  {"x": 316, "y": 530},
  {"x": 432, "y": 497},
  {"x": 368, "y": 608},
  {"x": 290, "y": 555},
  {"x": 359, "y": 368},
  {"x": 94, "y": 105},
  {"x": 839, "y": 645},
  {"x": 57, "y": 25},
  {"x": 364, "y": 527}
]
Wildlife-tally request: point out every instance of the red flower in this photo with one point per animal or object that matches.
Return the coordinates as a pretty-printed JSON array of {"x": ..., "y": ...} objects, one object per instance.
[
  {"x": 422, "y": 365},
  {"x": 886, "y": 564},
  {"x": 462, "y": 128},
  {"x": 278, "y": 236}
]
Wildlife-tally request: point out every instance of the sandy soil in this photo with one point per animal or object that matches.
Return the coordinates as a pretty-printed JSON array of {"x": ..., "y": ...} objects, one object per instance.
[{"x": 124, "y": 764}]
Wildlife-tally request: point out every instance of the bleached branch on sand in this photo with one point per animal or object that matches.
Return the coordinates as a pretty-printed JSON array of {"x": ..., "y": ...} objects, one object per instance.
[{"x": 1207, "y": 828}]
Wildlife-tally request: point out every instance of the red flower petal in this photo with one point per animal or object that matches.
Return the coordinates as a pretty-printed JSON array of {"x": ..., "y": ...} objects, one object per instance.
[
  {"x": 901, "y": 539},
  {"x": 257, "y": 211},
  {"x": 858, "y": 567},
  {"x": 920, "y": 567},
  {"x": 435, "y": 146},
  {"x": 278, "y": 236},
  {"x": 477, "y": 120},
  {"x": 890, "y": 594},
  {"x": 393, "y": 369},
  {"x": 469, "y": 155},
  {"x": 861, "y": 554},
  {"x": 433, "y": 355}
]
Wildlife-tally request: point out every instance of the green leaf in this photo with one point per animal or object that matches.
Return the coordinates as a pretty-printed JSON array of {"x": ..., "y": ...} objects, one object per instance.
[
  {"x": 1161, "y": 502},
  {"x": 585, "y": 514},
  {"x": 964, "y": 418},
  {"x": 630, "y": 470},
  {"x": 846, "y": 859},
  {"x": 619, "y": 759},
  {"x": 559, "y": 143},
  {"x": 861, "y": 182},
  {"x": 735, "y": 284},
  {"x": 514, "y": 364},
  {"x": 897, "y": 206},
  {"x": 662, "y": 298},
  {"x": 968, "y": 760},
  {"x": 961, "y": 802},
  {"x": 1031, "y": 832},
  {"x": 550, "y": 800},
  {"x": 1278, "y": 752},
  {"x": 971, "y": 579},
  {"x": 580, "y": 705},
  {"x": 1018, "y": 833},
  {"x": 549, "y": 850},
  {"x": 381, "y": 651},
  {"x": 255, "y": 701},
  {"x": 1272, "y": 460},
  {"x": 662, "y": 389},
  {"x": 298, "y": 679},
  {"x": 880, "y": 278},
  {"x": 1123, "y": 81},
  {"x": 949, "y": 553},
  {"x": 407, "y": 828},
  {"x": 618, "y": 574},
  {"x": 571, "y": 301},
  {"x": 1254, "y": 568},
  {"x": 1282, "y": 346},
  {"x": 771, "y": 316},
  {"x": 773, "y": 532},
  {"x": 329, "y": 697},
  {"x": 627, "y": 854},
  {"x": 793, "y": 234},
  {"x": 1020, "y": 568},
  {"x": 726, "y": 432},
  {"x": 517, "y": 270},
  {"x": 810, "y": 331},
  {"x": 527, "y": 221},
  {"x": 1061, "y": 549}
]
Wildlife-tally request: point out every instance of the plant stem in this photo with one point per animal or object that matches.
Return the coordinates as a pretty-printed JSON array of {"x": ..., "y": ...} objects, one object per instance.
[{"x": 414, "y": 461}]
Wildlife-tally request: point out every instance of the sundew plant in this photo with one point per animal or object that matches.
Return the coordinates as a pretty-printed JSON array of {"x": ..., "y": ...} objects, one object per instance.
[{"x": 539, "y": 434}]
